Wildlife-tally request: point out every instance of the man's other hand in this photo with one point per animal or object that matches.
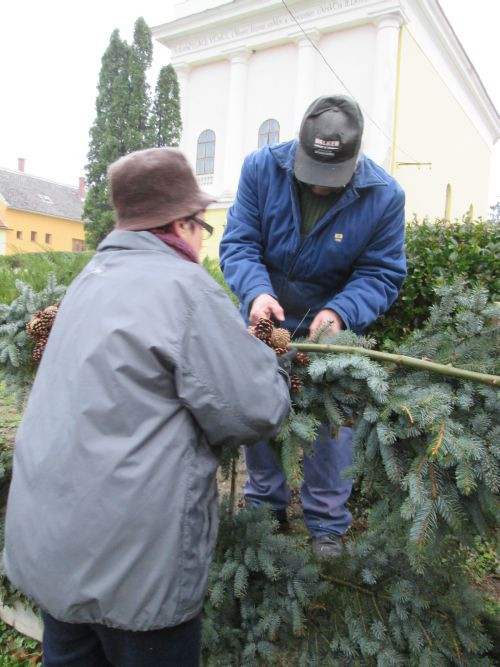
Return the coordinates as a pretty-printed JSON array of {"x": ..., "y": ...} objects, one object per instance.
[
  {"x": 328, "y": 320},
  {"x": 266, "y": 306}
]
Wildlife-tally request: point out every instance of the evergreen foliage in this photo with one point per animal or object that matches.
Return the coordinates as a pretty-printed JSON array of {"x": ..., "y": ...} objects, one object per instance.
[
  {"x": 34, "y": 269},
  {"x": 166, "y": 119},
  {"x": 16, "y": 367},
  {"x": 426, "y": 471},
  {"x": 261, "y": 585},
  {"x": 139, "y": 131},
  {"x": 125, "y": 120},
  {"x": 108, "y": 137}
]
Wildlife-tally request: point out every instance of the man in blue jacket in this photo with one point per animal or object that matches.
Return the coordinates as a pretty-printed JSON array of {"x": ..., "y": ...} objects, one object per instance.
[{"x": 315, "y": 240}]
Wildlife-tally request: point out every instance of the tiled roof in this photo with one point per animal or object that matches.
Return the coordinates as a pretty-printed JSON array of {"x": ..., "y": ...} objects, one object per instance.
[{"x": 30, "y": 193}]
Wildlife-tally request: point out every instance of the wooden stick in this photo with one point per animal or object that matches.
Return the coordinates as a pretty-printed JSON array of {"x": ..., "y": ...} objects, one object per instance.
[{"x": 402, "y": 360}]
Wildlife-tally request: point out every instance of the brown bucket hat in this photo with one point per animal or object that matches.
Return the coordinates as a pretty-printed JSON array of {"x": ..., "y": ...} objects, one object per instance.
[{"x": 153, "y": 187}]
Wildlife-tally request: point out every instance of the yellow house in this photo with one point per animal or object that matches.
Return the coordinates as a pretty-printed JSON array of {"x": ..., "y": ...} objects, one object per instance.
[{"x": 38, "y": 215}]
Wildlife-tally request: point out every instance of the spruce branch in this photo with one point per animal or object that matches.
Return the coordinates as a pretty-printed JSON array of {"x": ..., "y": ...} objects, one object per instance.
[{"x": 402, "y": 360}]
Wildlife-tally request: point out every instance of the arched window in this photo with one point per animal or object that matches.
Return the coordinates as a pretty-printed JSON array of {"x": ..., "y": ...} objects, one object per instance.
[
  {"x": 205, "y": 152},
  {"x": 269, "y": 132}
]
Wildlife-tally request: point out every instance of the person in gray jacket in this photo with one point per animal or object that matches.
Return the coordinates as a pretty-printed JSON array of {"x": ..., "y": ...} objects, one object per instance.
[{"x": 148, "y": 370}]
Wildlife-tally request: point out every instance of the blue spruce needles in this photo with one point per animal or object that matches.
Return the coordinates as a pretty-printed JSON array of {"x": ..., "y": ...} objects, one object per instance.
[
  {"x": 16, "y": 367},
  {"x": 426, "y": 474}
]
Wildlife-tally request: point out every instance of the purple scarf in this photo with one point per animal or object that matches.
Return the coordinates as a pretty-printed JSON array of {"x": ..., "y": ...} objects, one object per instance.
[{"x": 181, "y": 247}]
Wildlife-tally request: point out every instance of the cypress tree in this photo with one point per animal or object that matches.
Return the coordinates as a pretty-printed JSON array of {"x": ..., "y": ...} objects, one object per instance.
[
  {"x": 167, "y": 123},
  {"x": 139, "y": 132},
  {"x": 122, "y": 122},
  {"x": 108, "y": 137}
]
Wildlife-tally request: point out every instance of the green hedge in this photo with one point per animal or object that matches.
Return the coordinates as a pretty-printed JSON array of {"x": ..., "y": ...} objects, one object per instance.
[
  {"x": 439, "y": 253},
  {"x": 35, "y": 268}
]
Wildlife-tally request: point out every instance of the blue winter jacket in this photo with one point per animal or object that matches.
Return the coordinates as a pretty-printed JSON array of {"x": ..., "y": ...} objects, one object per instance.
[{"x": 352, "y": 261}]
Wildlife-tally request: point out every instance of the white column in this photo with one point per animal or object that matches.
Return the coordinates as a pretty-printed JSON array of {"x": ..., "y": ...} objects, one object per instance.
[
  {"x": 379, "y": 139},
  {"x": 182, "y": 71},
  {"x": 235, "y": 126},
  {"x": 305, "y": 82}
]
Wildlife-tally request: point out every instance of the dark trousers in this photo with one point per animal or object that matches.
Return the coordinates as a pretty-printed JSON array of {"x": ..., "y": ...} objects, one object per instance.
[
  {"x": 92, "y": 645},
  {"x": 324, "y": 490}
]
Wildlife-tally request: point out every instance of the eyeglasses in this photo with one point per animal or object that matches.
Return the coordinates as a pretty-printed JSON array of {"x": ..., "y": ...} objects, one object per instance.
[{"x": 208, "y": 230}]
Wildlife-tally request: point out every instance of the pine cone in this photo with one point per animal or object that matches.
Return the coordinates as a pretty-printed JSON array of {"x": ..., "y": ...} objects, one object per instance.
[
  {"x": 295, "y": 383},
  {"x": 39, "y": 348},
  {"x": 264, "y": 329},
  {"x": 280, "y": 350},
  {"x": 35, "y": 326},
  {"x": 51, "y": 310},
  {"x": 251, "y": 330},
  {"x": 280, "y": 338},
  {"x": 41, "y": 323},
  {"x": 302, "y": 359},
  {"x": 48, "y": 315}
]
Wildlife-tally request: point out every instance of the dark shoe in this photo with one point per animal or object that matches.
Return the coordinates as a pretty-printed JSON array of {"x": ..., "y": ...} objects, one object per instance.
[{"x": 328, "y": 546}]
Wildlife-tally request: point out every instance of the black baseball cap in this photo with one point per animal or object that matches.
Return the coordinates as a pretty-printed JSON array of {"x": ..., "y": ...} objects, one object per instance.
[{"x": 329, "y": 141}]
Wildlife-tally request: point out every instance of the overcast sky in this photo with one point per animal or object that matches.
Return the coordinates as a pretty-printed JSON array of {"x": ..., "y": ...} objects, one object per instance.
[{"x": 50, "y": 56}]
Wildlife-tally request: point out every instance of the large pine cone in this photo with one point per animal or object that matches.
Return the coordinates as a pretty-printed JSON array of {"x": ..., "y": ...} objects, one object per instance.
[
  {"x": 39, "y": 348},
  {"x": 280, "y": 338},
  {"x": 302, "y": 359},
  {"x": 295, "y": 383},
  {"x": 35, "y": 326},
  {"x": 263, "y": 330},
  {"x": 39, "y": 328},
  {"x": 47, "y": 316}
]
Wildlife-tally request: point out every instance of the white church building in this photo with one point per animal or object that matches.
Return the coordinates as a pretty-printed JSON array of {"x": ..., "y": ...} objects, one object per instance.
[{"x": 248, "y": 69}]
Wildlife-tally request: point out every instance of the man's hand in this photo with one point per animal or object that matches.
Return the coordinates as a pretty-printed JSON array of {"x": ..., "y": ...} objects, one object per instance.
[
  {"x": 326, "y": 317},
  {"x": 266, "y": 306}
]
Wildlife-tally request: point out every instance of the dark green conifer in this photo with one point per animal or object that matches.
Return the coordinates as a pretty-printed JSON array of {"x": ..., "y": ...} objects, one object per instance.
[
  {"x": 166, "y": 119},
  {"x": 139, "y": 133},
  {"x": 108, "y": 137},
  {"x": 122, "y": 122}
]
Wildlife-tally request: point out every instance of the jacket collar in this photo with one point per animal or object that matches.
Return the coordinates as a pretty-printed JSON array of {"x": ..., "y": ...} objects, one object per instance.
[
  {"x": 121, "y": 239},
  {"x": 365, "y": 175}
]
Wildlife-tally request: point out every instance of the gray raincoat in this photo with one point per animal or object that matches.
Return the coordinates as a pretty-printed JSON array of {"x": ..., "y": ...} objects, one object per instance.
[{"x": 112, "y": 511}]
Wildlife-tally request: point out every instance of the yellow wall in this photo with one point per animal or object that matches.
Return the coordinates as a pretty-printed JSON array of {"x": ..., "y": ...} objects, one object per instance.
[
  {"x": 432, "y": 127},
  {"x": 62, "y": 231},
  {"x": 216, "y": 218}
]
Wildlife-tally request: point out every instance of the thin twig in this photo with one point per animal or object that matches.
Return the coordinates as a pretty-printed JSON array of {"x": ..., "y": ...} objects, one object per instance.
[
  {"x": 381, "y": 596},
  {"x": 366, "y": 591},
  {"x": 405, "y": 408},
  {"x": 319, "y": 632},
  {"x": 439, "y": 440},
  {"x": 426, "y": 635},
  {"x": 377, "y": 609}
]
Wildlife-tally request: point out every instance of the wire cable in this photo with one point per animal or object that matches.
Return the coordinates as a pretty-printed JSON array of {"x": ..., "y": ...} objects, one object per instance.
[{"x": 392, "y": 143}]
